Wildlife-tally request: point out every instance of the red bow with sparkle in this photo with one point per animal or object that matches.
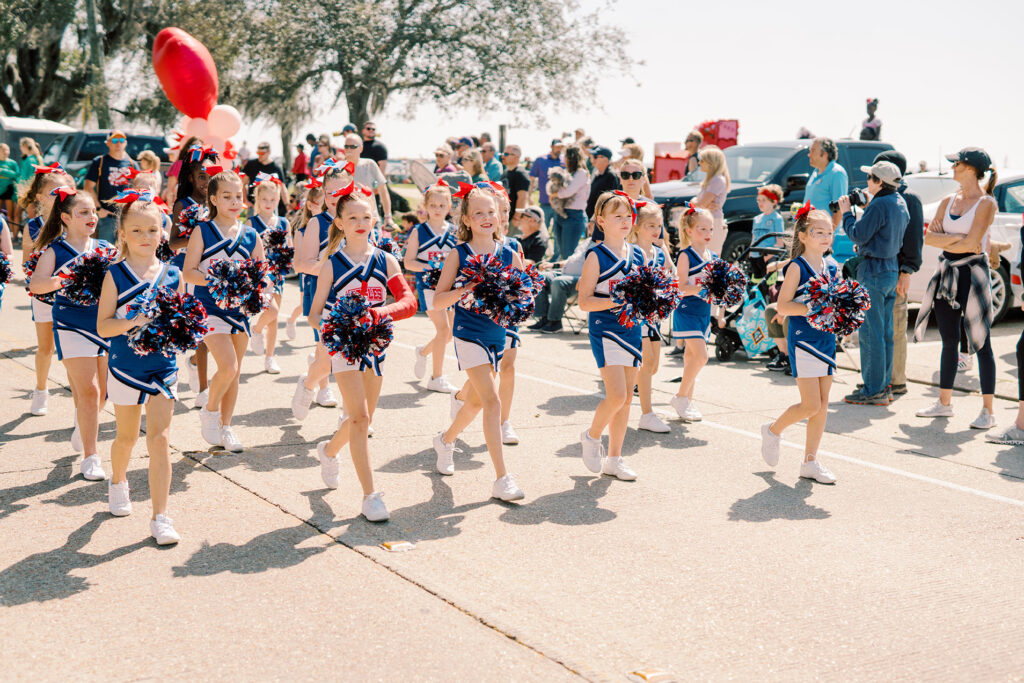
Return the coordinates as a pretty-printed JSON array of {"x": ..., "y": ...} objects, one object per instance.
[
  {"x": 348, "y": 167},
  {"x": 350, "y": 188},
  {"x": 312, "y": 183},
  {"x": 440, "y": 183},
  {"x": 690, "y": 209},
  {"x": 200, "y": 153},
  {"x": 498, "y": 187},
  {"x": 63, "y": 192},
  {"x": 267, "y": 177},
  {"x": 55, "y": 167},
  {"x": 803, "y": 210},
  {"x": 131, "y": 196}
]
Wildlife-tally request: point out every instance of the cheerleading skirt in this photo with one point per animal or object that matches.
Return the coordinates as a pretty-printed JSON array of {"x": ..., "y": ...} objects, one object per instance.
[
  {"x": 222, "y": 322},
  {"x": 339, "y": 363},
  {"x": 812, "y": 353},
  {"x": 651, "y": 333},
  {"x": 42, "y": 312},
  {"x": 613, "y": 344},
  {"x": 687, "y": 325},
  {"x": 472, "y": 353},
  {"x": 74, "y": 332},
  {"x": 128, "y": 389},
  {"x": 512, "y": 340}
]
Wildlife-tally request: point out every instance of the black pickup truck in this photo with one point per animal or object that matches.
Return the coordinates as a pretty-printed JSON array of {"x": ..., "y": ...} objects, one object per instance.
[
  {"x": 785, "y": 164},
  {"x": 75, "y": 151}
]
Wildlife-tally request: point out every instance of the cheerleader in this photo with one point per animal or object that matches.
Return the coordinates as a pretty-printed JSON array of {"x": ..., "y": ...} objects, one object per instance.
[
  {"x": 646, "y": 234},
  {"x": 222, "y": 237},
  {"x": 479, "y": 341},
  {"x": 357, "y": 267},
  {"x": 429, "y": 244},
  {"x": 264, "y": 332},
  {"x": 313, "y": 204},
  {"x": 617, "y": 349},
  {"x": 65, "y": 236},
  {"x": 137, "y": 380},
  {"x": 691, "y": 320},
  {"x": 38, "y": 198},
  {"x": 812, "y": 353}
]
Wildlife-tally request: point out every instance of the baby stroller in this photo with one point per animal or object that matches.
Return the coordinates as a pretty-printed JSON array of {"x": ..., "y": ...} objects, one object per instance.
[{"x": 746, "y": 326}]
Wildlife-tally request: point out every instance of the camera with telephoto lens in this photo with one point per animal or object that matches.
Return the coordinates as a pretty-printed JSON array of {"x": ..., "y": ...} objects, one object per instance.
[{"x": 857, "y": 198}]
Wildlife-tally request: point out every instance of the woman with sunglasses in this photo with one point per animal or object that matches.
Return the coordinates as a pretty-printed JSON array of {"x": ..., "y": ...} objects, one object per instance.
[
  {"x": 632, "y": 176},
  {"x": 443, "y": 160},
  {"x": 108, "y": 174}
]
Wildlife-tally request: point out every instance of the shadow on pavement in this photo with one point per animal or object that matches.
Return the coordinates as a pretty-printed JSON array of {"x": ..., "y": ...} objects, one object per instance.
[
  {"x": 56, "y": 478},
  {"x": 572, "y": 507},
  {"x": 778, "y": 501},
  {"x": 1011, "y": 462},
  {"x": 425, "y": 460},
  {"x": 932, "y": 435},
  {"x": 90, "y": 492},
  {"x": 563, "y": 406},
  {"x": 273, "y": 550}
]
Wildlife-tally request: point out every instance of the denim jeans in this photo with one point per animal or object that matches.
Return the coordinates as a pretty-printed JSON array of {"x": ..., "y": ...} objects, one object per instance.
[
  {"x": 876, "y": 332},
  {"x": 549, "y": 217},
  {"x": 569, "y": 231},
  {"x": 550, "y": 302},
  {"x": 106, "y": 229}
]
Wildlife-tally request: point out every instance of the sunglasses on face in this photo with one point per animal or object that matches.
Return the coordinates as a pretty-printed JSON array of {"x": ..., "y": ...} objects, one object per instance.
[
  {"x": 118, "y": 141},
  {"x": 262, "y": 149},
  {"x": 631, "y": 175},
  {"x": 351, "y": 146},
  {"x": 369, "y": 128}
]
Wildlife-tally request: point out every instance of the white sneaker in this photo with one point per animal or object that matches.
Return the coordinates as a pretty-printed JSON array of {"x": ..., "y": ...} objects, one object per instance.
[
  {"x": 420, "y": 367},
  {"x": 209, "y": 426},
  {"x": 686, "y": 409},
  {"x": 91, "y": 468},
  {"x": 985, "y": 420},
  {"x": 454, "y": 405},
  {"x": 691, "y": 414},
  {"x": 964, "y": 362},
  {"x": 508, "y": 435},
  {"x": 289, "y": 330},
  {"x": 652, "y": 423},
  {"x": 617, "y": 467},
  {"x": 326, "y": 398},
  {"x": 813, "y": 469},
  {"x": 202, "y": 398},
  {"x": 271, "y": 366},
  {"x": 301, "y": 399},
  {"x": 1011, "y": 435},
  {"x": 330, "y": 468},
  {"x": 441, "y": 385},
  {"x": 193, "y": 375},
  {"x": 445, "y": 455},
  {"x": 229, "y": 440},
  {"x": 76, "y": 439},
  {"x": 506, "y": 489},
  {"x": 40, "y": 401},
  {"x": 257, "y": 343},
  {"x": 162, "y": 529},
  {"x": 936, "y": 410},
  {"x": 770, "y": 445},
  {"x": 593, "y": 451},
  {"x": 117, "y": 499},
  {"x": 374, "y": 509}
]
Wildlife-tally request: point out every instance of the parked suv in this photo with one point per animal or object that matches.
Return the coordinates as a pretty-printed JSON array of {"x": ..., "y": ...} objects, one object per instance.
[
  {"x": 75, "y": 151},
  {"x": 785, "y": 164}
]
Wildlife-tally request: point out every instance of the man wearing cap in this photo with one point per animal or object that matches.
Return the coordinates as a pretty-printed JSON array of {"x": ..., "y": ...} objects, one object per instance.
[
  {"x": 492, "y": 167},
  {"x": 108, "y": 175},
  {"x": 539, "y": 172},
  {"x": 368, "y": 173},
  {"x": 878, "y": 236},
  {"x": 372, "y": 149},
  {"x": 828, "y": 181},
  {"x": 263, "y": 163},
  {"x": 533, "y": 240},
  {"x": 515, "y": 180},
  {"x": 462, "y": 145},
  {"x": 604, "y": 180}
]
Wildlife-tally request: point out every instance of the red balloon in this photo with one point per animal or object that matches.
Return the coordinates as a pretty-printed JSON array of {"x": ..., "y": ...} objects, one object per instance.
[{"x": 186, "y": 72}]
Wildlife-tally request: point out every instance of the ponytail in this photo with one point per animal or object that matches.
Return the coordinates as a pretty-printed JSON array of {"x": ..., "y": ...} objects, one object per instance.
[
  {"x": 54, "y": 225},
  {"x": 990, "y": 186}
]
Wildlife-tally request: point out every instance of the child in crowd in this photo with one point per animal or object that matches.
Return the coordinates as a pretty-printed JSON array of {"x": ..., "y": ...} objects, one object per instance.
[
  {"x": 313, "y": 204},
  {"x": 765, "y": 223},
  {"x": 812, "y": 352},
  {"x": 266, "y": 197}
]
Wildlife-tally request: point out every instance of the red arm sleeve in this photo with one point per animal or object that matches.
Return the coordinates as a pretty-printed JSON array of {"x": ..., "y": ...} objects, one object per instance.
[{"x": 405, "y": 300}]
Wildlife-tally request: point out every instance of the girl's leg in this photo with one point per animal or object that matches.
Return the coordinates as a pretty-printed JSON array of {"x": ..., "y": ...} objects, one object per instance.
[
  {"x": 44, "y": 353},
  {"x": 128, "y": 419},
  {"x": 442, "y": 335},
  {"x": 694, "y": 359},
  {"x": 507, "y": 383},
  {"x": 651, "y": 360},
  {"x": 227, "y": 350},
  {"x": 620, "y": 420},
  {"x": 85, "y": 390},
  {"x": 615, "y": 394},
  {"x": 296, "y": 312},
  {"x": 202, "y": 367},
  {"x": 483, "y": 381},
  {"x": 101, "y": 377},
  {"x": 319, "y": 370},
  {"x": 273, "y": 311},
  {"x": 158, "y": 426},
  {"x": 816, "y": 422},
  {"x": 810, "y": 403},
  {"x": 371, "y": 387},
  {"x": 471, "y": 405},
  {"x": 353, "y": 396}
]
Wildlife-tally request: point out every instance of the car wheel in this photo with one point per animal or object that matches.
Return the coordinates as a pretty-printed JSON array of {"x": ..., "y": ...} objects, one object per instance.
[
  {"x": 734, "y": 246},
  {"x": 1002, "y": 295}
]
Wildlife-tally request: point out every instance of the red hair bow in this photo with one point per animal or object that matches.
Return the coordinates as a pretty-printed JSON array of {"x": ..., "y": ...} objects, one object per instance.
[
  {"x": 770, "y": 194},
  {"x": 441, "y": 183},
  {"x": 498, "y": 187},
  {"x": 803, "y": 210},
  {"x": 464, "y": 190},
  {"x": 55, "y": 167},
  {"x": 311, "y": 183},
  {"x": 63, "y": 192},
  {"x": 130, "y": 196},
  {"x": 200, "y": 153},
  {"x": 267, "y": 177},
  {"x": 350, "y": 189},
  {"x": 690, "y": 209},
  {"x": 159, "y": 201},
  {"x": 214, "y": 170},
  {"x": 632, "y": 205},
  {"x": 132, "y": 172}
]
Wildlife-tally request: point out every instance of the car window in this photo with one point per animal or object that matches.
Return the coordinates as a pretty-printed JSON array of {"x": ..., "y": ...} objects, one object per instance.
[
  {"x": 1012, "y": 198},
  {"x": 800, "y": 165},
  {"x": 750, "y": 164},
  {"x": 857, "y": 156},
  {"x": 93, "y": 146},
  {"x": 931, "y": 188},
  {"x": 156, "y": 145},
  {"x": 52, "y": 151}
]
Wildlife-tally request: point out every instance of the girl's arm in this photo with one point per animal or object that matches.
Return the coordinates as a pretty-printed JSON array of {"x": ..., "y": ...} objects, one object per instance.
[
  {"x": 324, "y": 282},
  {"x": 176, "y": 241},
  {"x": 444, "y": 295},
  {"x": 669, "y": 267},
  {"x": 190, "y": 272},
  {"x": 683, "y": 272},
  {"x": 43, "y": 280},
  {"x": 307, "y": 250},
  {"x": 971, "y": 242},
  {"x": 259, "y": 253},
  {"x": 405, "y": 300},
  {"x": 5, "y": 240},
  {"x": 106, "y": 324},
  {"x": 517, "y": 260},
  {"x": 786, "y": 306},
  {"x": 411, "y": 246},
  {"x": 587, "y": 283}
]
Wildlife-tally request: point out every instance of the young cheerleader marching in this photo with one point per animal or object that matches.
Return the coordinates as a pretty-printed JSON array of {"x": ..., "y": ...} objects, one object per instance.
[
  {"x": 38, "y": 198},
  {"x": 222, "y": 237},
  {"x": 648, "y": 231},
  {"x": 66, "y": 235},
  {"x": 811, "y": 352},
  {"x": 427, "y": 246},
  {"x": 692, "y": 318},
  {"x": 616, "y": 348},
  {"x": 264, "y": 332},
  {"x": 137, "y": 380},
  {"x": 479, "y": 341},
  {"x": 313, "y": 204},
  {"x": 357, "y": 267}
]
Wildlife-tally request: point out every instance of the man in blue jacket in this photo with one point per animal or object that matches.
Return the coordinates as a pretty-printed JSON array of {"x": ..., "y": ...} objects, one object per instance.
[{"x": 878, "y": 236}]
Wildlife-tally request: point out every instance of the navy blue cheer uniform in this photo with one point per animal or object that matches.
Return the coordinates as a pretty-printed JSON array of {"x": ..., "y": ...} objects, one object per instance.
[
  {"x": 370, "y": 278},
  {"x": 322, "y": 222},
  {"x": 610, "y": 342},
  {"x": 478, "y": 339},
  {"x": 42, "y": 304},
  {"x": 657, "y": 260},
  {"x": 431, "y": 247},
  {"x": 512, "y": 340},
  {"x": 134, "y": 377},
  {"x": 812, "y": 353},
  {"x": 692, "y": 317},
  {"x": 261, "y": 227},
  {"x": 74, "y": 326},
  {"x": 218, "y": 247}
]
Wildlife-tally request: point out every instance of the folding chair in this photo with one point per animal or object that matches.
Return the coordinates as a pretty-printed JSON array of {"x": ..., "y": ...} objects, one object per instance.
[{"x": 573, "y": 316}]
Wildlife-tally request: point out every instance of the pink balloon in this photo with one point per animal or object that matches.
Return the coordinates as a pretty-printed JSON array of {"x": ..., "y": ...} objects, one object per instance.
[
  {"x": 217, "y": 143},
  {"x": 186, "y": 72},
  {"x": 198, "y": 127},
  {"x": 224, "y": 120}
]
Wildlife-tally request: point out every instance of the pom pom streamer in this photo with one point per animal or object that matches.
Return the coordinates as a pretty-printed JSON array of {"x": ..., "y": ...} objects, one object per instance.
[
  {"x": 647, "y": 295},
  {"x": 504, "y": 294},
  {"x": 5, "y": 270},
  {"x": 721, "y": 283},
  {"x": 239, "y": 284},
  {"x": 433, "y": 273},
  {"x": 390, "y": 246},
  {"x": 177, "y": 323},
  {"x": 29, "y": 266},
  {"x": 279, "y": 254},
  {"x": 164, "y": 251},
  {"x": 836, "y": 305},
  {"x": 84, "y": 277},
  {"x": 190, "y": 217},
  {"x": 351, "y": 330}
]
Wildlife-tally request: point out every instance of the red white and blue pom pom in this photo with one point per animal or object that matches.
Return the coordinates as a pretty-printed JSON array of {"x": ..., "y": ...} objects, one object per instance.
[
  {"x": 279, "y": 253},
  {"x": 190, "y": 217},
  {"x": 836, "y": 305},
  {"x": 29, "y": 266},
  {"x": 353, "y": 331},
  {"x": 721, "y": 283},
  {"x": 390, "y": 246},
  {"x": 432, "y": 273},
  {"x": 239, "y": 284},
  {"x": 647, "y": 295},
  {"x": 502, "y": 293},
  {"x": 5, "y": 271},
  {"x": 84, "y": 277},
  {"x": 177, "y": 325},
  {"x": 164, "y": 251}
]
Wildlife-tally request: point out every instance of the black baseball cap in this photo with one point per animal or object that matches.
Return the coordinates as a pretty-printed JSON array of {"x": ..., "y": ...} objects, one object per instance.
[
  {"x": 557, "y": 141},
  {"x": 895, "y": 158},
  {"x": 972, "y": 156},
  {"x": 601, "y": 152},
  {"x": 627, "y": 141}
]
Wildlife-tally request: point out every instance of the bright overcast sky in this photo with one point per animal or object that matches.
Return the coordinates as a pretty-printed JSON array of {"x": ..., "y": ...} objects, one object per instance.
[{"x": 947, "y": 75}]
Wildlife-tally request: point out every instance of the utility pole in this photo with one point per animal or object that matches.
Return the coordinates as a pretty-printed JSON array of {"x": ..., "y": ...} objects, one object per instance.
[{"x": 97, "y": 83}]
